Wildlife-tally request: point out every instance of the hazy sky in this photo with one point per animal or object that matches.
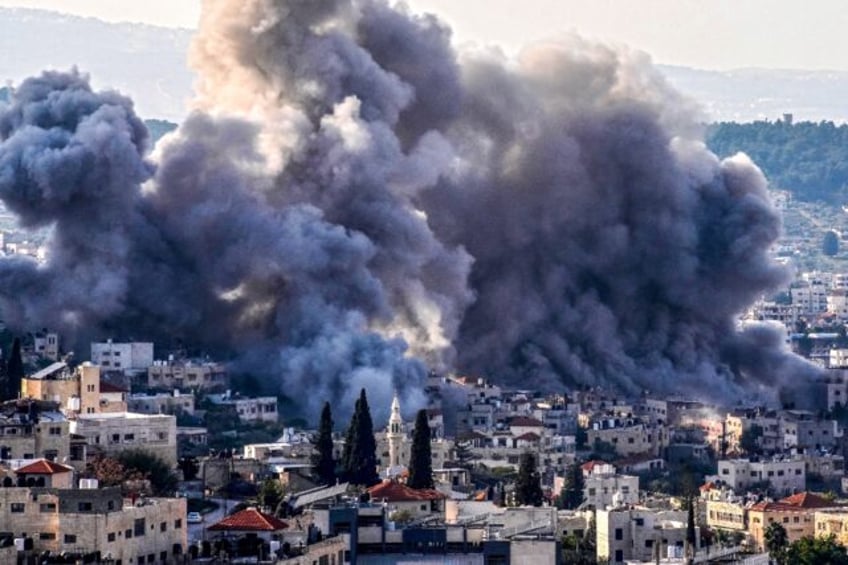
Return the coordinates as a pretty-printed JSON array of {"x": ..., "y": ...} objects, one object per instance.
[{"x": 716, "y": 34}]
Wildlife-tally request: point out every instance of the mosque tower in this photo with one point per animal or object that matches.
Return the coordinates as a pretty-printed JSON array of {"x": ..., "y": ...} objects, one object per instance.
[{"x": 395, "y": 435}]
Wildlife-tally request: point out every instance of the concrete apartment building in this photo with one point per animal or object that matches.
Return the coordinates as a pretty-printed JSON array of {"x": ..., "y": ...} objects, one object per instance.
[
  {"x": 832, "y": 522},
  {"x": 260, "y": 409},
  {"x": 803, "y": 430},
  {"x": 186, "y": 375},
  {"x": 624, "y": 534},
  {"x": 603, "y": 486},
  {"x": 629, "y": 436},
  {"x": 86, "y": 520},
  {"x": 132, "y": 357},
  {"x": 796, "y": 513},
  {"x": 46, "y": 345},
  {"x": 725, "y": 515},
  {"x": 784, "y": 475},
  {"x": 31, "y": 429},
  {"x": 112, "y": 433},
  {"x": 161, "y": 403},
  {"x": 80, "y": 391}
]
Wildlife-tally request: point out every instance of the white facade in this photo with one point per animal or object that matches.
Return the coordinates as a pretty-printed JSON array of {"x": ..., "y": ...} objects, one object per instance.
[
  {"x": 785, "y": 476},
  {"x": 134, "y": 356},
  {"x": 600, "y": 490}
]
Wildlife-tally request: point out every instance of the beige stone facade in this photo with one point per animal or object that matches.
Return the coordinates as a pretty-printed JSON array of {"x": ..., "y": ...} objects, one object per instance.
[
  {"x": 77, "y": 392},
  {"x": 87, "y": 520},
  {"x": 186, "y": 375},
  {"x": 47, "y": 437},
  {"x": 112, "y": 433}
]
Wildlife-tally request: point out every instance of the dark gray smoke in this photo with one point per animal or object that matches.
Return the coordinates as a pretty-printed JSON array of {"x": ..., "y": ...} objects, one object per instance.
[{"x": 350, "y": 195}]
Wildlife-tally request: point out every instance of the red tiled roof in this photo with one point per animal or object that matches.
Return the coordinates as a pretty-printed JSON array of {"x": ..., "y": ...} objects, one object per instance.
[
  {"x": 529, "y": 436},
  {"x": 807, "y": 500},
  {"x": 524, "y": 421},
  {"x": 250, "y": 520},
  {"x": 707, "y": 487},
  {"x": 795, "y": 503},
  {"x": 589, "y": 466},
  {"x": 391, "y": 491},
  {"x": 109, "y": 387},
  {"x": 43, "y": 467}
]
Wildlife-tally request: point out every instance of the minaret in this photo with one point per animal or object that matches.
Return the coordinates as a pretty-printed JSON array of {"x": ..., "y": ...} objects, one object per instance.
[{"x": 395, "y": 435}]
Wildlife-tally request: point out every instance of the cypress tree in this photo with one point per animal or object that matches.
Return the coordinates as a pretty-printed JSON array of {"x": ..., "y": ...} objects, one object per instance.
[
  {"x": 14, "y": 371},
  {"x": 572, "y": 491},
  {"x": 528, "y": 486},
  {"x": 360, "y": 452},
  {"x": 325, "y": 465},
  {"x": 420, "y": 460},
  {"x": 351, "y": 440}
]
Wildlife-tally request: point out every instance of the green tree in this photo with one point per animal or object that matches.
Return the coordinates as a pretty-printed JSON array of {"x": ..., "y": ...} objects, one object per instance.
[
  {"x": 325, "y": 465},
  {"x": 816, "y": 551},
  {"x": 528, "y": 485},
  {"x": 14, "y": 371},
  {"x": 830, "y": 243},
  {"x": 776, "y": 541},
  {"x": 360, "y": 451},
  {"x": 189, "y": 467},
  {"x": 690, "y": 530},
  {"x": 162, "y": 478},
  {"x": 421, "y": 458},
  {"x": 270, "y": 495},
  {"x": 571, "y": 495}
]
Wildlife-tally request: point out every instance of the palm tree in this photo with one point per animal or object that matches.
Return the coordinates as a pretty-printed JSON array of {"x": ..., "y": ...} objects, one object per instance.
[{"x": 776, "y": 541}]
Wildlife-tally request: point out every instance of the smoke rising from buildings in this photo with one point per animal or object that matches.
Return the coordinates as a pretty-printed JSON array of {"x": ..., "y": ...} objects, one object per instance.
[{"x": 352, "y": 201}]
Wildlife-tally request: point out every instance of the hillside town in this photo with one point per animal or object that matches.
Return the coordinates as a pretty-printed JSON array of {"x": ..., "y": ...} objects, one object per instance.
[{"x": 129, "y": 458}]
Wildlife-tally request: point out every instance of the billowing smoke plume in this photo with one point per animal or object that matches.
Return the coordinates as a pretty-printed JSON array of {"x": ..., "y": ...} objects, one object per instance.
[{"x": 352, "y": 201}]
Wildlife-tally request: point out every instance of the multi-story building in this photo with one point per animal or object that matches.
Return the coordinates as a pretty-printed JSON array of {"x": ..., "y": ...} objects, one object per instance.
[
  {"x": 727, "y": 515},
  {"x": 804, "y": 430},
  {"x": 832, "y": 522},
  {"x": 602, "y": 486},
  {"x": 640, "y": 534},
  {"x": 31, "y": 429},
  {"x": 629, "y": 436},
  {"x": 795, "y": 513},
  {"x": 260, "y": 409},
  {"x": 161, "y": 403},
  {"x": 186, "y": 375},
  {"x": 80, "y": 391},
  {"x": 123, "y": 357},
  {"x": 785, "y": 475},
  {"x": 46, "y": 344},
  {"x": 76, "y": 521},
  {"x": 112, "y": 433}
]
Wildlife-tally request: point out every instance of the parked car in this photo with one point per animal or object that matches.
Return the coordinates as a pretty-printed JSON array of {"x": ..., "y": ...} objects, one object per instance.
[{"x": 194, "y": 518}]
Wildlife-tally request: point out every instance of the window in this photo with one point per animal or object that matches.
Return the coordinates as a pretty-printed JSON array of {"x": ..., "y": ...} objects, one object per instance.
[
  {"x": 110, "y": 536},
  {"x": 178, "y": 524},
  {"x": 129, "y": 437},
  {"x": 116, "y": 438},
  {"x": 55, "y": 431},
  {"x": 138, "y": 527},
  {"x": 70, "y": 538},
  {"x": 17, "y": 507},
  {"x": 84, "y": 506},
  {"x": 47, "y": 507},
  {"x": 619, "y": 555},
  {"x": 619, "y": 534},
  {"x": 47, "y": 535},
  {"x": 128, "y": 534},
  {"x": 725, "y": 471},
  {"x": 163, "y": 526}
]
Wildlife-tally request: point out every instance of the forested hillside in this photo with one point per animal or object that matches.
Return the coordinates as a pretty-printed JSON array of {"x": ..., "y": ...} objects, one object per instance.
[{"x": 808, "y": 159}]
